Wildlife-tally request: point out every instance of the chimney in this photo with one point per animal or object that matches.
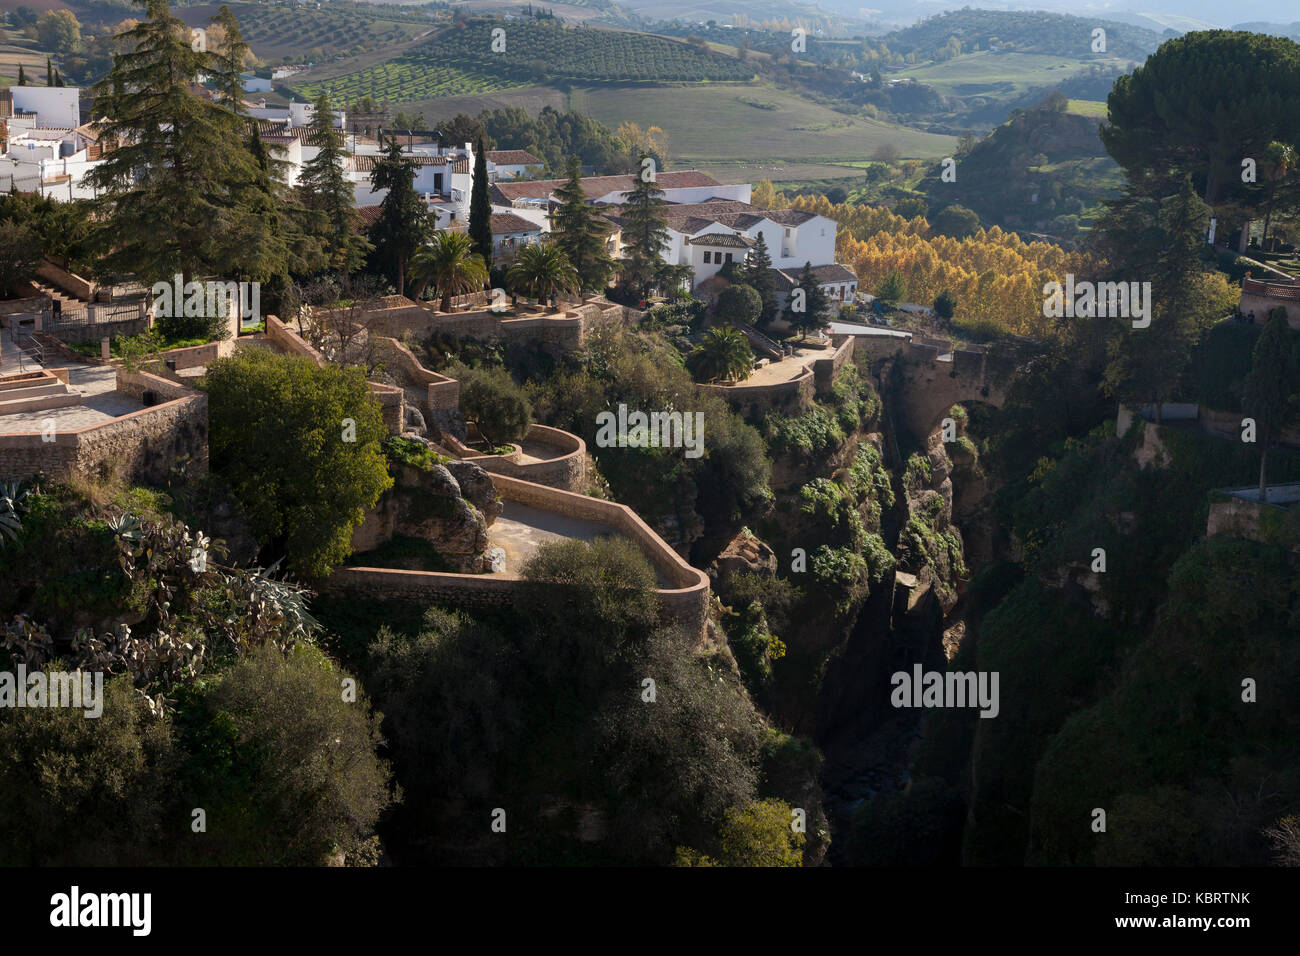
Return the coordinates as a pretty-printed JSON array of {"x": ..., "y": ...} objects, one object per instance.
[{"x": 469, "y": 148}]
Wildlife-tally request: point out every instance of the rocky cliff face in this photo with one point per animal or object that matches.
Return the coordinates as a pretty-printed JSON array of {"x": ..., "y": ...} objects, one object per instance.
[{"x": 449, "y": 506}]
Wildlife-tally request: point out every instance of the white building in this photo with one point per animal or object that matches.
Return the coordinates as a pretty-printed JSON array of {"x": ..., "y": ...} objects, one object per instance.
[
  {"x": 509, "y": 232},
  {"x": 55, "y": 107},
  {"x": 508, "y": 164}
]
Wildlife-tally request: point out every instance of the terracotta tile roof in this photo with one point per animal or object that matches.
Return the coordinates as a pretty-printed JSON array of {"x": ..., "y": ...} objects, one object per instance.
[
  {"x": 512, "y": 157},
  {"x": 504, "y": 223},
  {"x": 725, "y": 239},
  {"x": 368, "y": 215},
  {"x": 787, "y": 279},
  {"x": 596, "y": 186},
  {"x": 789, "y": 217}
]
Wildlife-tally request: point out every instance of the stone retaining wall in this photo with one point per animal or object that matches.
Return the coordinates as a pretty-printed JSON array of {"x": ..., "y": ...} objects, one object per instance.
[
  {"x": 567, "y": 471},
  {"x": 686, "y": 603},
  {"x": 793, "y": 397},
  {"x": 145, "y": 444}
]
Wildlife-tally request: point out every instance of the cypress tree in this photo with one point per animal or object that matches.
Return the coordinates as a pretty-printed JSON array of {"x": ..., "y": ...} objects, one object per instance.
[
  {"x": 758, "y": 275},
  {"x": 22, "y": 76},
  {"x": 580, "y": 232},
  {"x": 480, "y": 207},
  {"x": 49, "y": 72}
]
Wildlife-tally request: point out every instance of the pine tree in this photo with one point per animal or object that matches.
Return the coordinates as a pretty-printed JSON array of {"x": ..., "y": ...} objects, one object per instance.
[
  {"x": 227, "y": 76},
  {"x": 1146, "y": 363},
  {"x": 808, "y": 315},
  {"x": 403, "y": 222},
  {"x": 758, "y": 275},
  {"x": 328, "y": 197},
  {"x": 171, "y": 193},
  {"x": 580, "y": 232},
  {"x": 645, "y": 233},
  {"x": 480, "y": 207}
]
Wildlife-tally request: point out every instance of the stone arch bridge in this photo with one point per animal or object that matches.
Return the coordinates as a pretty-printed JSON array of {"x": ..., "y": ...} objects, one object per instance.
[{"x": 930, "y": 376}]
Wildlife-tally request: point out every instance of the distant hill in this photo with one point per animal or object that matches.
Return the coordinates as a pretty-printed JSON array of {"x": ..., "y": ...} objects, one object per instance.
[
  {"x": 1039, "y": 172},
  {"x": 1291, "y": 30},
  {"x": 1054, "y": 34}
]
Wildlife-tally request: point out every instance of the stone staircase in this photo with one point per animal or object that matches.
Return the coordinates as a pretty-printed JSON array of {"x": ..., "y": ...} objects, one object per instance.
[
  {"x": 66, "y": 302},
  {"x": 35, "y": 392}
]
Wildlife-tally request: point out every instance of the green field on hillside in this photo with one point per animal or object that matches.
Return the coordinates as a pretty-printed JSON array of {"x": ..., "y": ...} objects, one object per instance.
[
  {"x": 403, "y": 81},
  {"x": 26, "y": 53},
  {"x": 462, "y": 60},
  {"x": 999, "y": 74},
  {"x": 1093, "y": 108},
  {"x": 719, "y": 123},
  {"x": 276, "y": 32}
]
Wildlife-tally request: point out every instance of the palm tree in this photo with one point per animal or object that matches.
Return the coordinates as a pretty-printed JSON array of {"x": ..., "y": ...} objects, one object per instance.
[
  {"x": 448, "y": 261},
  {"x": 542, "y": 271},
  {"x": 723, "y": 353}
]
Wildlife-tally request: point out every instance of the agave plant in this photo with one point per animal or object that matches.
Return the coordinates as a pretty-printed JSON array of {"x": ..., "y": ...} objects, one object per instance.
[
  {"x": 126, "y": 526},
  {"x": 13, "y": 502}
]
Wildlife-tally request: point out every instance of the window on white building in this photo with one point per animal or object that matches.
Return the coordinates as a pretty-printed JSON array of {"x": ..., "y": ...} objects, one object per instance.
[{"x": 707, "y": 257}]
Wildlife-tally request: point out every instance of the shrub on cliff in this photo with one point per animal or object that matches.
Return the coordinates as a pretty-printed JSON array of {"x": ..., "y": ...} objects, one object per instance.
[
  {"x": 492, "y": 400},
  {"x": 302, "y": 448}
]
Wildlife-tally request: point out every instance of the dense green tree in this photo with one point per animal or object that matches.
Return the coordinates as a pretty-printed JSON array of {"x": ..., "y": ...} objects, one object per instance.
[
  {"x": 1174, "y": 115},
  {"x": 739, "y": 305},
  {"x": 945, "y": 304},
  {"x": 449, "y": 262},
  {"x": 1270, "y": 389},
  {"x": 645, "y": 233},
  {"x": 20, "y": 255},
  {"x": 1146, "y": 363},
  {"x": 170, "y": 194},
  {"x": 581, "y": 232},
  {"x": 757, "y": 835},
  {"x": 301, "y": 448},
  {"x": 809, "y": 314},
  {"x": 480, "y": 207},
  {"x": 492, "y": 400},
  {"x": 403, "y": 220},
  {"x": 462, "y": 129},
  {"x": 956, "y": 221},
  {"x": 328, "y": 196},
  {"x": 892, "y": 288},
  {"x": 1278, "y": 166},
  {"x": 283, "y": 763},
  {"x": 759, "y": 276},
  {"x": 85, "y": 792}
]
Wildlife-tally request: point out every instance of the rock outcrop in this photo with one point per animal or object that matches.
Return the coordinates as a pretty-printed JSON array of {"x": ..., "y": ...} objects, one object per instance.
[{"x": 449, "y": 510}]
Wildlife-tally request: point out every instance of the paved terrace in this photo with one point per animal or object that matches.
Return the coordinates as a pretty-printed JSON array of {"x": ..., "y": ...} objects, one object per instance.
[
  {"x": 788, "y": 369},
  {"x": 521, "y": 529},
  {"x": 96, "y": 383}
]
